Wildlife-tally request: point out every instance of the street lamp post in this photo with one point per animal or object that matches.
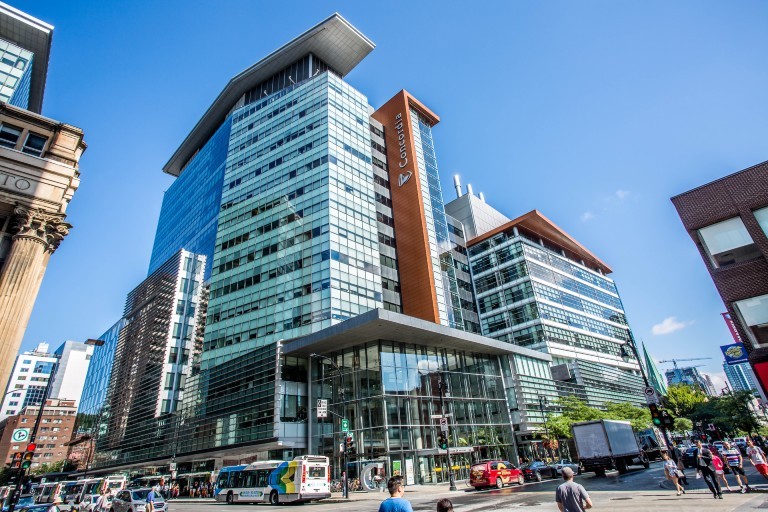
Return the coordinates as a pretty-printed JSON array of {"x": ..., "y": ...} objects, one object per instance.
[
  {"x": 429, "y": 368},
  {"x": 345, "y": 480},
  {"x": 544, "y": 402}
]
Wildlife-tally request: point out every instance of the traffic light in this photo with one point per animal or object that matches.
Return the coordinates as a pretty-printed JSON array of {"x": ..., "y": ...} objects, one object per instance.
[
  {"x": 655, "y": 414},
  {"x": 26, "y": 458},
  {"x": 442, "y": 440},
  {"x": 667, "y": 420},
  {"x": 16, "y": 461},
  {"x": 351, "y": 446}
]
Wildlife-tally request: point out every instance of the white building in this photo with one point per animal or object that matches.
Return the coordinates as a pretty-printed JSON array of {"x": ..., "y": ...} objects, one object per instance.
[
  {"x": 28, "y": 380},
  {"x": 73, "y": 367}
]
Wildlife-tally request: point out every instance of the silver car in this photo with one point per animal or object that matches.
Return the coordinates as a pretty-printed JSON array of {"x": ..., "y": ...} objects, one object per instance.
[
  {"x": 134, "y": 500},
  {"x": 565, "y": 463}
]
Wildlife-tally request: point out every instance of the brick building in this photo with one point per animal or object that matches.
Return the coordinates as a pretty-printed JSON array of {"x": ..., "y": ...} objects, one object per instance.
[
  {"x": 53, "y": 435},
  {"x": 728, "y": 221}
]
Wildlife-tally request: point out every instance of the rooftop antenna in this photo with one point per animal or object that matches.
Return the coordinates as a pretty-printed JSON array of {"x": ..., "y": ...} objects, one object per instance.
[
  {"x": 482, "y": 197},
  {"x": 469, "y": 189},
  {"x": 457, "y": 184}
]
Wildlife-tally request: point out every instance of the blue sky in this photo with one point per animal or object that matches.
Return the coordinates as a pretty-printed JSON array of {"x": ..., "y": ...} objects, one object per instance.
[{"x": 593, "y": 112}]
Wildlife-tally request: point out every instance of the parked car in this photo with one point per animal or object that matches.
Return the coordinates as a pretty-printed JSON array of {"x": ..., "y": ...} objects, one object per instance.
[
  {"x": 538, "y": 470},
  {"x": 689, "y": 457},
  {"x": 24, "y": 500},
  {"x": 565, "y": 463},
  {"x": 495, "y": 473},
  {"x": 134, "y": 500}
]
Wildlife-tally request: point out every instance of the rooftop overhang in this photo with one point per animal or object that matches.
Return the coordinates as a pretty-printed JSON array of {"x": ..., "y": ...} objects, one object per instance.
[
  {"x": 333, "y": 40},
  {"x": 34, "y": 35},
  {"x": 537, "y": 223},
  {"x": 382, "y": 324}
]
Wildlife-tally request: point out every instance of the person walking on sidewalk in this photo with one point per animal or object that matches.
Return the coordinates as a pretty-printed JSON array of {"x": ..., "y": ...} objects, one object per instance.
[
  {"x": 720, "y": 471},
  {"x": 395, "y": 502},
  {"x": 736, "y": 463},
  {"x": 570, "y": 496},
  {"x": 757, "y": 456},
  {"x": 672, "y": 473},
  {"x": 704, "y": 465}
]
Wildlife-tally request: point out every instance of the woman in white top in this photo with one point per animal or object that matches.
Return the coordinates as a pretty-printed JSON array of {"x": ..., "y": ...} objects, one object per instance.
[{"x": 670, "y": 468}]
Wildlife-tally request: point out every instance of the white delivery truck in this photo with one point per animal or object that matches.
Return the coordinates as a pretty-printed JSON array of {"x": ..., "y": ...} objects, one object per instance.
[{"x": 607, "y": 444}]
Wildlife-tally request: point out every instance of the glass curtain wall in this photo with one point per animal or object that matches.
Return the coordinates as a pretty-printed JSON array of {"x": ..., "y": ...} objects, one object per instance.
[{"x": 391, "y": 405}]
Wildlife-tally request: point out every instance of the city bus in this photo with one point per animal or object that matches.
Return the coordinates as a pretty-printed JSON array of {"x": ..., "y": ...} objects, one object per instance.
[
  {"x": 305, "y": 478},
  {"x": 95, "y": 486}
]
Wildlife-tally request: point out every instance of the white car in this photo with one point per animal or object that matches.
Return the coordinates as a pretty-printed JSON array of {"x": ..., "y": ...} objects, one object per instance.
[
  {"x": 134, "y": 500},
  {"x": 565, "y": 463}
]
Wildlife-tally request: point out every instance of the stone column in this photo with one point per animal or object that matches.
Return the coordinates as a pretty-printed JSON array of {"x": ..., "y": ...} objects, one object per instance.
[{"x": 38, "y": 234}]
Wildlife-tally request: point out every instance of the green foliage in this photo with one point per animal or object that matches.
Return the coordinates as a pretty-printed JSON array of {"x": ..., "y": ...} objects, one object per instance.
[
  {"x": 54, "y": 467},
  {"x": 683, "y": 400},
  {"x": 730, "y": 413},
  {"x": 683, "y": 425},
  {"x": 575, "y": 410}
]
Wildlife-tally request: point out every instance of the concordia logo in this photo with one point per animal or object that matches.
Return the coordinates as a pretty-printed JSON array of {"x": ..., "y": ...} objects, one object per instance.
[{"x": 404, "y": 177}]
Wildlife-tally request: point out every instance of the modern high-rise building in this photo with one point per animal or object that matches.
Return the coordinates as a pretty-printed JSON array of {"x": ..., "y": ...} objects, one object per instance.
[
  {"x": 28, "y": 380},
  {"x": 39, "y": 161},
  {"x": 741, "y": 377},
  {"x": 727, "y": 219},
  {"x": 691, "y": 376},
  {"x": 539, "y": 288},
  {"x": 74, "y": 359}
]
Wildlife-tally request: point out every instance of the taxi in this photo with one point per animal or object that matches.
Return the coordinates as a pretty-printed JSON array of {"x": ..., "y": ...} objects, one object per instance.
[{"x": 495, "y": 473}]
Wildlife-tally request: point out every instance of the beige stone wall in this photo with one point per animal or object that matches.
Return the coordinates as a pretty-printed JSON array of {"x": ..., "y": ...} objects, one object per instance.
[{"x": 35, "y": 190}]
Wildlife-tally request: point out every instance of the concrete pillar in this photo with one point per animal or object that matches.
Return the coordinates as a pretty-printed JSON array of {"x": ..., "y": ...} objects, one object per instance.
[{"x": 38, "y": 234}]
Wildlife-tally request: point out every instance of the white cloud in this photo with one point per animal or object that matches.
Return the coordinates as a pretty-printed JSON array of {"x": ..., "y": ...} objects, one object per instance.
[
  {"x": 621, "y": 194},
  {"x": 587, "y": 216},
  {"x": 668, "y": 326}
]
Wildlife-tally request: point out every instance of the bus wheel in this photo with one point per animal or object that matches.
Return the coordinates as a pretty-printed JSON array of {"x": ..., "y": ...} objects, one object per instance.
[
  {"x": 273, "y": 499},
  {"x": 230, "y": 498}
]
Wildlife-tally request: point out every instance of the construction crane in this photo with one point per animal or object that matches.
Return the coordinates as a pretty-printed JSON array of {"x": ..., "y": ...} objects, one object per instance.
[{"x": 674, "y": 361}]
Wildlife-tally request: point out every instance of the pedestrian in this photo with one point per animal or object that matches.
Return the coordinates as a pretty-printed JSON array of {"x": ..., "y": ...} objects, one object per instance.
[
  {"x": 444, "y": 505},
  {"x": 395, "y": 502},
  {"x": 103, "y": 504},
  {"x": 735, "y": 462},
  {"x": 55, "y": 505},
  {"x": 677, "y": 456},
  {"x": 757, "y": 456},
  {"x": 150, "y": 503},
  {"x": 720, "y": 470},
  {"x": 672, "y": 473},
  {"x": 704, "y": 465},
  {"x": 570, "y": 496}
]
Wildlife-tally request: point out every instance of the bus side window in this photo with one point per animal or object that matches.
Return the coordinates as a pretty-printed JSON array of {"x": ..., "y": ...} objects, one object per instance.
[{"x": 262, "y": 477}]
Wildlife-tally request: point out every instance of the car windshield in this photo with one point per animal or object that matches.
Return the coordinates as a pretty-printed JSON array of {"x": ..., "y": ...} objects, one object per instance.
[{"x": 141, "y": 495}]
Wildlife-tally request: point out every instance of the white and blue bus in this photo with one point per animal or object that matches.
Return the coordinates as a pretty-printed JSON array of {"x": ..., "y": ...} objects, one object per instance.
[{"x": 305, "y": 478}]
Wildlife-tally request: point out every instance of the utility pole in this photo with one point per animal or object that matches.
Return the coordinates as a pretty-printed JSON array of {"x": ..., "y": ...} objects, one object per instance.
[
  {"x": 345, "y": 480},
  {"x": 451, "y": 479}
]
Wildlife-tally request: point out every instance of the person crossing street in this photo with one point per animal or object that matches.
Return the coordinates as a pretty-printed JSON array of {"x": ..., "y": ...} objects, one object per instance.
[{"x": 705, "y": 466}]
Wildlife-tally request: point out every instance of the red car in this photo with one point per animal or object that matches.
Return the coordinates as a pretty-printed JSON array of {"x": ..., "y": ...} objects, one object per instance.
[{"x": 495, "y": 473}]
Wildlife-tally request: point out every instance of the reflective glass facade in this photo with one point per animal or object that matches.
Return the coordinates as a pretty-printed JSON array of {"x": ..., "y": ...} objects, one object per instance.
[
  {"x": 15, "y": 74},
  {"x": 390, "y": 406},
  {"x": 190, "y": 210},
  {"x": 534, "y": 296}
]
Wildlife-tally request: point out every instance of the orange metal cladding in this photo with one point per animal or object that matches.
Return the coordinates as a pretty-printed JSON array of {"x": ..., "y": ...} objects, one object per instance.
[{"x": 417, "y": 279}]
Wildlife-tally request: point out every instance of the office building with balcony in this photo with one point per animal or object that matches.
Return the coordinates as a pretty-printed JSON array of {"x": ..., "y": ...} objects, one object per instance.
[
  {"x": 727, "y": 220},
  {"x": 29, "y": 378},
  {"x": 540, "y": 289}
]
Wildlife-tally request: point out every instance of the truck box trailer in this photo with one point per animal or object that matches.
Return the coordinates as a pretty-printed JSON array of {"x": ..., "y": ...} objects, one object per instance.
[{"x": 607, "y": 444}]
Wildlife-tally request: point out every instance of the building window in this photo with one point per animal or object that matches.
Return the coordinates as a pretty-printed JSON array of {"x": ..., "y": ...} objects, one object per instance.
[
  {"x": 762, "y": 218},
  {"x": 754, "y": 316},
  {"x": 728, "y": 242},
  {"x": 34, "y": 144},
  {"x": 9, "y": 136}
]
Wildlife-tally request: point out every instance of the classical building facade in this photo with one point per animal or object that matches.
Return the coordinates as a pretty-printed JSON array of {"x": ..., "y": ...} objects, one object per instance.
[{"x": 39, "y": 173}]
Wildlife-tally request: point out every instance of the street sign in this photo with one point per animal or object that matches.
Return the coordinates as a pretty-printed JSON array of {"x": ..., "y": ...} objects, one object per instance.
[
  {"x": 172, "y": 466},
  {"x": 345, "y": 425},
  {"x": 20, "y": 435},
  {"x": 438, "y": 416},
  {"x": 322, "y": 408},
  {"x": 444, "y": 424},
  {"x": 650, "y": 396}
]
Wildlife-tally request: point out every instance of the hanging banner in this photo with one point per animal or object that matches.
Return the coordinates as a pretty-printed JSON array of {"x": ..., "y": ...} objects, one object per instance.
[{"x": 734, "y": 353}]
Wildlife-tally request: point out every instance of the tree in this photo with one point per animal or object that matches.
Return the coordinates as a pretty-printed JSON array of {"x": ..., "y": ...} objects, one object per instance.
[
  {"x": 729, "y": 413},
  {"x": 683, "y": 425},
  {"x": 573, "y": 410},
  {"x": 639, "y": 417},
  {"x": 683, "y": 399}
]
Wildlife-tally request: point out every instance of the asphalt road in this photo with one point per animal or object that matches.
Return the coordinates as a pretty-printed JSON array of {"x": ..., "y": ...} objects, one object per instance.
[{"x": 638, "y": 490}]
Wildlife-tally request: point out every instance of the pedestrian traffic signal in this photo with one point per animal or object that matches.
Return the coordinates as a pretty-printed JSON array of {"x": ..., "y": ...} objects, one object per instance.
[
  {"x": 667, "y": 420},
  {"x": 442, "y": 440},
  {"x": 655, "y": 414}
]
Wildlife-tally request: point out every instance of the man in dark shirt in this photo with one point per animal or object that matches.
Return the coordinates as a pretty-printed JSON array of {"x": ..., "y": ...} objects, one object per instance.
[
  {"x": 704, "y": 465},
  {"x": 570, "y": 496}
]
